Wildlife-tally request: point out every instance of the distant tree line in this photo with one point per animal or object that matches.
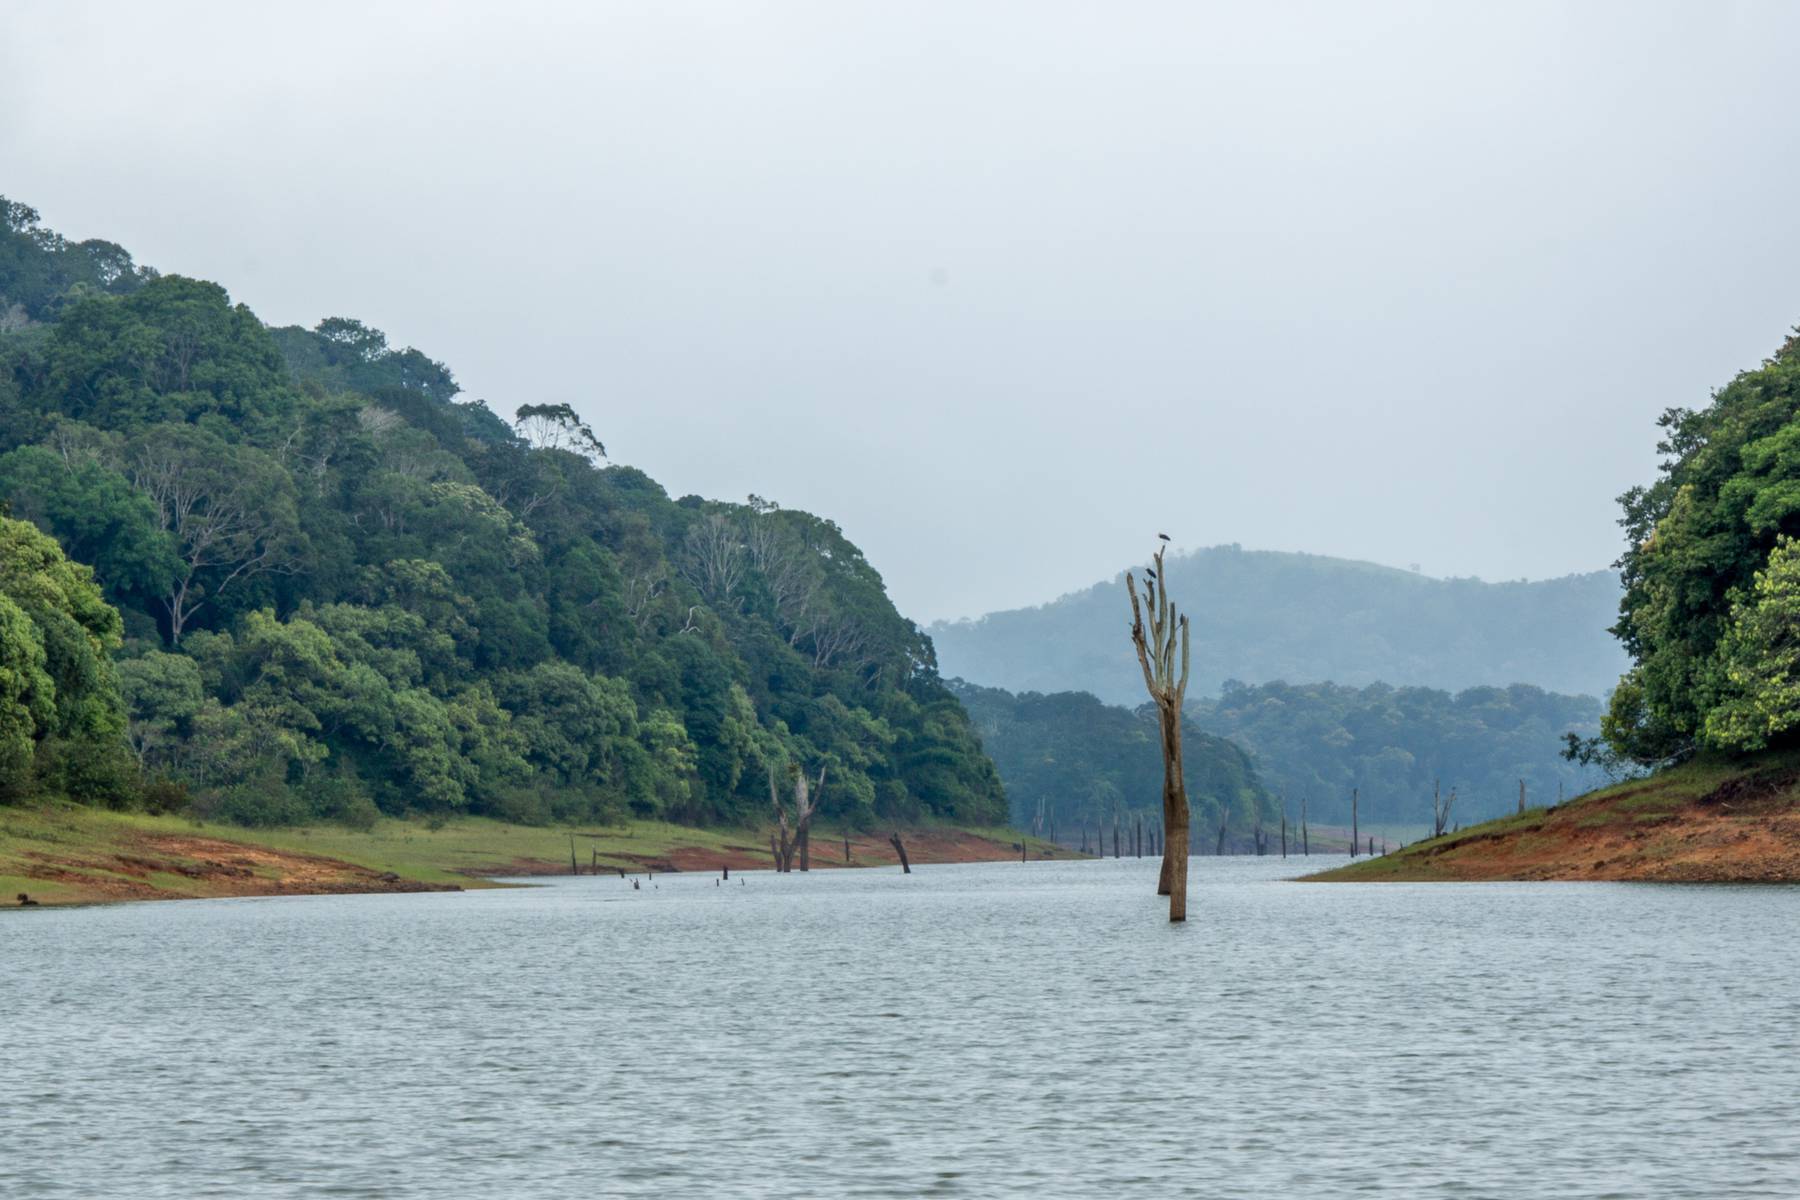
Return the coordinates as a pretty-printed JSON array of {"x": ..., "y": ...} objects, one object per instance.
[
  {"x": 1089, "y": 764},
  {"x": 1397, "y": 745}
]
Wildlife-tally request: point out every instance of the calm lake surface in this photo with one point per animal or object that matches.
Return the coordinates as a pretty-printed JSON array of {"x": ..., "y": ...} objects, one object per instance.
[{"x": 987, "y": 1030}]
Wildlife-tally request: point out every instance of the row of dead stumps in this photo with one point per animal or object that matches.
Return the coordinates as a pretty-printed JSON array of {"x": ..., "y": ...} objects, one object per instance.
[{"x": 1260, "y": 839}]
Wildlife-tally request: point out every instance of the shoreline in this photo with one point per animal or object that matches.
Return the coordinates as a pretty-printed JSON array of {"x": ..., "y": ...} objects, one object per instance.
[
  {"x": 1710, "y": 820},
  {"x": 66, "y": 854}
]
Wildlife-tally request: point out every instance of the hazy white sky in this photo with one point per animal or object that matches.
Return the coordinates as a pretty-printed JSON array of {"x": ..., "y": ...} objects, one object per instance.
[{"x": 1003, "y": 288}]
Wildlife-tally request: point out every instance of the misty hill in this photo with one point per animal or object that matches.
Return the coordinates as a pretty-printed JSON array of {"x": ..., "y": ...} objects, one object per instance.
[{"x": 1261, "y": 616}]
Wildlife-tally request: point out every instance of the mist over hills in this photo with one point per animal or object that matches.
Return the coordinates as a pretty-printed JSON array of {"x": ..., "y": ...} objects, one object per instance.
[{"x": 1261, "y": 616}]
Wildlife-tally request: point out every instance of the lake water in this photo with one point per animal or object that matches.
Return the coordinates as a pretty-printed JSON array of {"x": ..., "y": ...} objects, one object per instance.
[{"x": 987, "y": 1030}]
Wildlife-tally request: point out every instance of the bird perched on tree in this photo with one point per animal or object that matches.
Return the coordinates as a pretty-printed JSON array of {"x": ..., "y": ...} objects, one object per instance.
[{"x": 1163, "y": 536}]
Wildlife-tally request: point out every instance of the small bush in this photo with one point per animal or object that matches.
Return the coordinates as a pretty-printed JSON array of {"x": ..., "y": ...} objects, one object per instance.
[
  {"x": 163, "y": 796},
  {"x": 520, "y": 806},
  {"x": 254, "y": 804},
  {"x": 89, "y": 772},
  {"x": 340, "y": 797}
]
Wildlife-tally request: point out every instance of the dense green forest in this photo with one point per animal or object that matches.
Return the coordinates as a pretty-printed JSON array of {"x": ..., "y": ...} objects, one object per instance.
[
  {"x": 1712, "y": 576},
  {"x": 1069, "y": 758},
  {"x": 1261, "y": 616},
  {"x": 293, "y": 576},
  {"x": 1319, "y": 740}
]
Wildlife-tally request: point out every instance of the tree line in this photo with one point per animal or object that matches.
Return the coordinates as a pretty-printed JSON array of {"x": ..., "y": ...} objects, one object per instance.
[
  {"x": 1400, "y": 746},
  {"x": 1070, "y": 760},
  {"x": 286, "y": 573}
]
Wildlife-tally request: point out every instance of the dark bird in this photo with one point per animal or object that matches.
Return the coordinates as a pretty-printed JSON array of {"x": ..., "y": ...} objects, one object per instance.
[
  {"x": 1149, "y": 572},
  {"x": 1163, "y": 536},
  {"x": 26, "y": 901}
]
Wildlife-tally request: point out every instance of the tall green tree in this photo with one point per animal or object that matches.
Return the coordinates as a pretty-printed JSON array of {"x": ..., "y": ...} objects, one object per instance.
[{"x": 1728, "y": 493}]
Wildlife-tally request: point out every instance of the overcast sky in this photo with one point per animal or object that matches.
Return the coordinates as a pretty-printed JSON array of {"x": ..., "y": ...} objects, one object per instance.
[{"x": 1004, "y": 289}]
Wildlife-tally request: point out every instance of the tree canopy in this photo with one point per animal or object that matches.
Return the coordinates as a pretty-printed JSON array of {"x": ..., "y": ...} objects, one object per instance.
[
  {"x": 1706, "y": 601},
  {"x": 340, "y": 588}
]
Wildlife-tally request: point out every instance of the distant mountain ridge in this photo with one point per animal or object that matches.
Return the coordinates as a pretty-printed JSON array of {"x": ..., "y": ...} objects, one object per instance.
[{"x": 1262, "y": 616}]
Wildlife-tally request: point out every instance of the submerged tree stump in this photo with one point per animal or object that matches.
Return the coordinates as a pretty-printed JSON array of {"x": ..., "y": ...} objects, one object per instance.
[{"x": 900, "y": 849}]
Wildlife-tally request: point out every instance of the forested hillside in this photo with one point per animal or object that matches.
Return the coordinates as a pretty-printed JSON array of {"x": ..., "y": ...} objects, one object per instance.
[
  {"x": 1396, "y": 744},
  {"x": 1069, "y": 758},
  {"x": 1260, "y": 616},
  {"x": 340, "y": 588}
]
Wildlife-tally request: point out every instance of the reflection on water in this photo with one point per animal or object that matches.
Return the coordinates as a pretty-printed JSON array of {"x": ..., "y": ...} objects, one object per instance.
[{"x": 978, "y": 1030}]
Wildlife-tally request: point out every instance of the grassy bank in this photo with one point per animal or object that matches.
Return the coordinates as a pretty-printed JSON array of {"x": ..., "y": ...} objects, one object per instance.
[
  {"x": 63, "y": 854},
  {"x": 1714, "y": 819}
]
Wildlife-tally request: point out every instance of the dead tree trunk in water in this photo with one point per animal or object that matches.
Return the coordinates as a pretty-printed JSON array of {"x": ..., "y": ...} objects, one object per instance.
[
  {"x": 574, "y": 867},
  {"x": 900, "y": 849},
  {"x": 1284, "y": 829},
  {"x": 1116, "y": 835},
  {"x": 1305, "y": 842},
  {"x": 1137, "y": 838},
  {"x": 846, "y": 848},
  {"x": 1353, "y": 823},
  {"x": 806, "y": 802},
  {"x": 1224, "y": 823},
  {"x": 1156, "y": 644}
]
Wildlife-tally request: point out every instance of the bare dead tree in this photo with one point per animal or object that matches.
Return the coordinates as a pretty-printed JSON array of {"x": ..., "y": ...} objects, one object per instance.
[
  {"x": 1440, "y": 809},
  {"x": 640, "y": 593},
  {"x": 222, "y": 516},
  {"x": 558, "y": 427},
  {"x": 1353, "y": 836},
  {"x": 836, "y": 638},
  {"x": 900, "y": 849},
  {"x": 713, "y": 558},
  {"x": 1156, "y": 645},
  {"x": 1305, "y": 842},
  {"x": 1224, "y": 821},
  {"x": 789, "y": 839},
  {"x": 1521, "y": 796}
]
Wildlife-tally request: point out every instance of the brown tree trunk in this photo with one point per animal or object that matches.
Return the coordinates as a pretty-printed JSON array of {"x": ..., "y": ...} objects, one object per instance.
[
  {"x": 1353, "y": 835},
  {"x": 1175, "y": 842},
  {"x": 900, "y": 849},
  {"x": 1172, "y": 881}
]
